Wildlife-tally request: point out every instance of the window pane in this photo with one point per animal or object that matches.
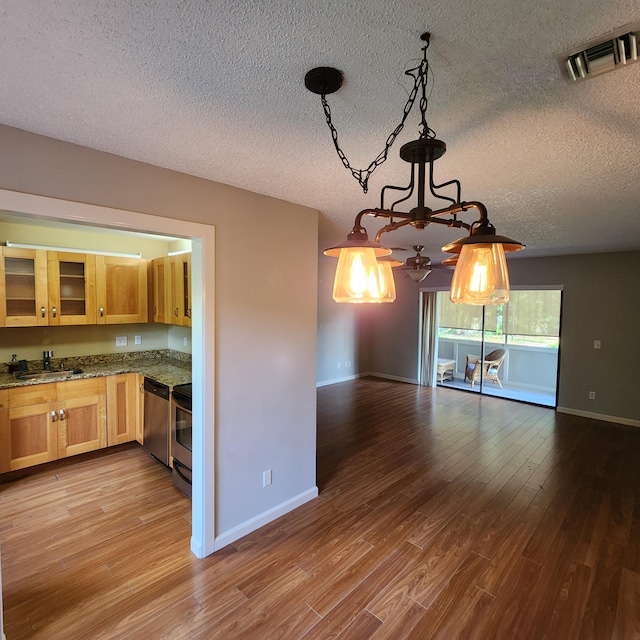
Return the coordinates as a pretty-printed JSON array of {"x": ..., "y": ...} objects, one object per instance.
[
  {"x": 465, "y": 316},
  {"x": 533, "y": 313}
]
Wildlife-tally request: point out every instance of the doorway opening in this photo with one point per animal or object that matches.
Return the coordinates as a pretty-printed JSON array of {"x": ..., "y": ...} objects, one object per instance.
[{"x": 32, "y": 207}]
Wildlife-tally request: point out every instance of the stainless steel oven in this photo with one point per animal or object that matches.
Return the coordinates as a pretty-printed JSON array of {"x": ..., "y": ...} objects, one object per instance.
[{"x": 181, "y": 437}]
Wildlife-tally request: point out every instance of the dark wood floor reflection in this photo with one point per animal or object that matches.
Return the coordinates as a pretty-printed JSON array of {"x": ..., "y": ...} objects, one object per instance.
[{"x": 441, "y": 515}]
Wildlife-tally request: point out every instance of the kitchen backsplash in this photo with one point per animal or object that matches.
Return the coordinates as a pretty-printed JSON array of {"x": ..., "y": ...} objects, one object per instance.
[{"x": 77, "y": 362}]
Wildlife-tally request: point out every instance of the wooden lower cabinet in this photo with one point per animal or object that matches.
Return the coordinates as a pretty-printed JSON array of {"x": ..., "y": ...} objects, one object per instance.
[
  {"x": 28, "y": 427},
  {"x": 45, "y": 422},
  {"x": 122, "y": 408},
  {"x": 28, "y": 436},
  {"x": 82, "y": 416},
  {"x": 140, "y": 409}
]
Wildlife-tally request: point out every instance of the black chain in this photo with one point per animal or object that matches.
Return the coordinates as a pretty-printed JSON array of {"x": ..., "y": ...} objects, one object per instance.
[{"x": 419, "y": 75}]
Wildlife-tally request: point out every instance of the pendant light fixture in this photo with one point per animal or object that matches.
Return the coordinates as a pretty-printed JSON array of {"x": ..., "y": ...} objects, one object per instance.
[{"x": 363, "y": 273}]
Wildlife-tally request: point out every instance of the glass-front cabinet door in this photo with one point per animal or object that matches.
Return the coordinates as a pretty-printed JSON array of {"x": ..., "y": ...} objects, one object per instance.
[
  {"x": 72, "y": 293},
  {"x": 180, "y": 285},
  {"x": 23, "y": 288}
]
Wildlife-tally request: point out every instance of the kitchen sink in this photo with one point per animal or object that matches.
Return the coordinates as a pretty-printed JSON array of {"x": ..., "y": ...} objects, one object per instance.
[{"x": 43, "y": 375}]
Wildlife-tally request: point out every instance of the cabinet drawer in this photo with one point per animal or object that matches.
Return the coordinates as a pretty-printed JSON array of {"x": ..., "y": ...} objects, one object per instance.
[
  {"x": 4, "y": 398},
  {"x": 74, "y": 389},
  {"x": 32, "y": 395}
]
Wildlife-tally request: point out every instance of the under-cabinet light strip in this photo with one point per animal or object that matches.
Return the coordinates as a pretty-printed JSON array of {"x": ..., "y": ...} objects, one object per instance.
[
  {"x": 21, "y": 245},
  {"x": 179, "y": 253}
]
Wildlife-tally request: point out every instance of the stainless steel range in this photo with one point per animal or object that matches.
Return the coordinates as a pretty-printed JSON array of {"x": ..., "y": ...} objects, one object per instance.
[{"x": 181, "y": 437}]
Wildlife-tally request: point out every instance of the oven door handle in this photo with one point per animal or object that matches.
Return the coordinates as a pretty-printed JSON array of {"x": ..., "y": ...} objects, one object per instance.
[{"x": 176, "y": 465}]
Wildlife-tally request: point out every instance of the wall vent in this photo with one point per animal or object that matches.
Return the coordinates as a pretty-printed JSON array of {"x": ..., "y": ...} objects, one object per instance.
[{"x": 596, "y": 57}]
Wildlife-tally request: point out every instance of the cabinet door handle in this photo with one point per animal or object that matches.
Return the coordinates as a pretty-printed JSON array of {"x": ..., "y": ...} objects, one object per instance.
[
  {"x": 101, "y": 312},
  {"x": 175, "y": 312},
  {"x": 62, "y": 414},
  {"x": 54, "y": 416},
  {"x": 43, "y": 311},
  {"x": 54, "y": 311}
]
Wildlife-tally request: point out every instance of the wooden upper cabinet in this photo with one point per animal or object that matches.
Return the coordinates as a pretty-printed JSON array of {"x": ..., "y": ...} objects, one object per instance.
[
  {"x": 161, "y": 291},
  {"x": 23, "y": 288},
  {"x": 172, "y": 290},
  {"x": 181, "y": 289},
  {"x": 52, "y": 288},
  {"x": 72, "y": 291},
  {"x": 121, "y": 290}
]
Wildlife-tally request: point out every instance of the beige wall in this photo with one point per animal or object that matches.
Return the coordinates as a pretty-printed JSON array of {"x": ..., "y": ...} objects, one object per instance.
[
  {"x": 28, "y": 343},
  {"x": 75, "y": 237},
  {"x": 265, "y": 324},
  {"x": 338, "y": 330}
]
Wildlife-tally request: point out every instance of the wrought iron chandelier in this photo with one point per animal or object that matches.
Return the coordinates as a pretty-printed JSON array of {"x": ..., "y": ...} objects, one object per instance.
[{"x": 364, "y": 268}]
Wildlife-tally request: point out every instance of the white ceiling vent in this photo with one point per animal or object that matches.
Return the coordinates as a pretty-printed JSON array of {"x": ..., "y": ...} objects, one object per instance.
[{"x": 602, "y": 55}]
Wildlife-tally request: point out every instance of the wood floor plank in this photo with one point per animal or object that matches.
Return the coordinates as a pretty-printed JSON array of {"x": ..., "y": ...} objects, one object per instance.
[
  {"x": 512, "y": 613},
  {"x": 363, "y": 626},
  {"x": 600, "y": 610},
  {"x": 569, "y": 608},
  {"x": 458, "y": 595},
  {"x": 627, "y": 620},
  {"x": 441, "y": 514},
  {"x": 401, "y": 622}
]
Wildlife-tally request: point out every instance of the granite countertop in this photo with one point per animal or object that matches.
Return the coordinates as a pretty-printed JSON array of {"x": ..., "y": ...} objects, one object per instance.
[{"x": 159, "y": 366}]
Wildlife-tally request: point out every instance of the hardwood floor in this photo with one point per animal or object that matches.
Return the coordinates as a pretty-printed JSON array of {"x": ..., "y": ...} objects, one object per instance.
[{"x": 440, "y": 515}]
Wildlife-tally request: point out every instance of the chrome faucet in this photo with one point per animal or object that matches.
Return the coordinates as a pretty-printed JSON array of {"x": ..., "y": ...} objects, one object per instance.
[{"x": 46, "y": 360}]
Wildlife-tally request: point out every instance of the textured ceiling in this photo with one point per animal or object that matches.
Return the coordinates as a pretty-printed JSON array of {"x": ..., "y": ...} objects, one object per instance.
[{"x": 215, "y": 89}]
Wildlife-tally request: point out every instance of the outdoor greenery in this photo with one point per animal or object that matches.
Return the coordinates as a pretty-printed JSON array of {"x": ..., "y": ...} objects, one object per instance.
[
  {"x": 530, "y": 318},
  {"x": 547, "y": 342}
]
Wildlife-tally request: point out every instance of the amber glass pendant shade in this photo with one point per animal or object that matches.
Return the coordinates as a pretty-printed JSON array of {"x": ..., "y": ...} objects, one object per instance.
[
  {"x": 361, "y": 278},
  {"x": 481, "y": 275}
]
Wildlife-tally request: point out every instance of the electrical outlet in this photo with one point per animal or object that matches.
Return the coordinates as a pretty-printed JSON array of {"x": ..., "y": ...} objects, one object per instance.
[
  {"x": 185, "y": 341},
  {"x": 597, "y": 344},
  {"x": 121, "y": 341},
  {"x": 266, "y": 478},
  {"x": 592, "y": 395},
  {"x": 137, "y": 339}
]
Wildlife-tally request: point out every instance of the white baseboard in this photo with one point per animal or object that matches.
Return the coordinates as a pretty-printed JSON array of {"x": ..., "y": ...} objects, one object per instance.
[
  {"x": 366, "y": 374},
  {"x": 599, "y": 416},
  {"x": 326, "y": 383},
  {"x": 396, "y": 378},
  {"x": 266, "y": 517}
]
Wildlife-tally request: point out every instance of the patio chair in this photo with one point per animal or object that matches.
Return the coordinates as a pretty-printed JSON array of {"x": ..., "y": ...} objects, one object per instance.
[{"x": 491, "y": 366}]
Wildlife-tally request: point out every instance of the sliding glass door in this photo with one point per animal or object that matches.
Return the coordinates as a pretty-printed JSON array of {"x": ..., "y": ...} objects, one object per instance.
[{"x": 507, "y": 350}]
